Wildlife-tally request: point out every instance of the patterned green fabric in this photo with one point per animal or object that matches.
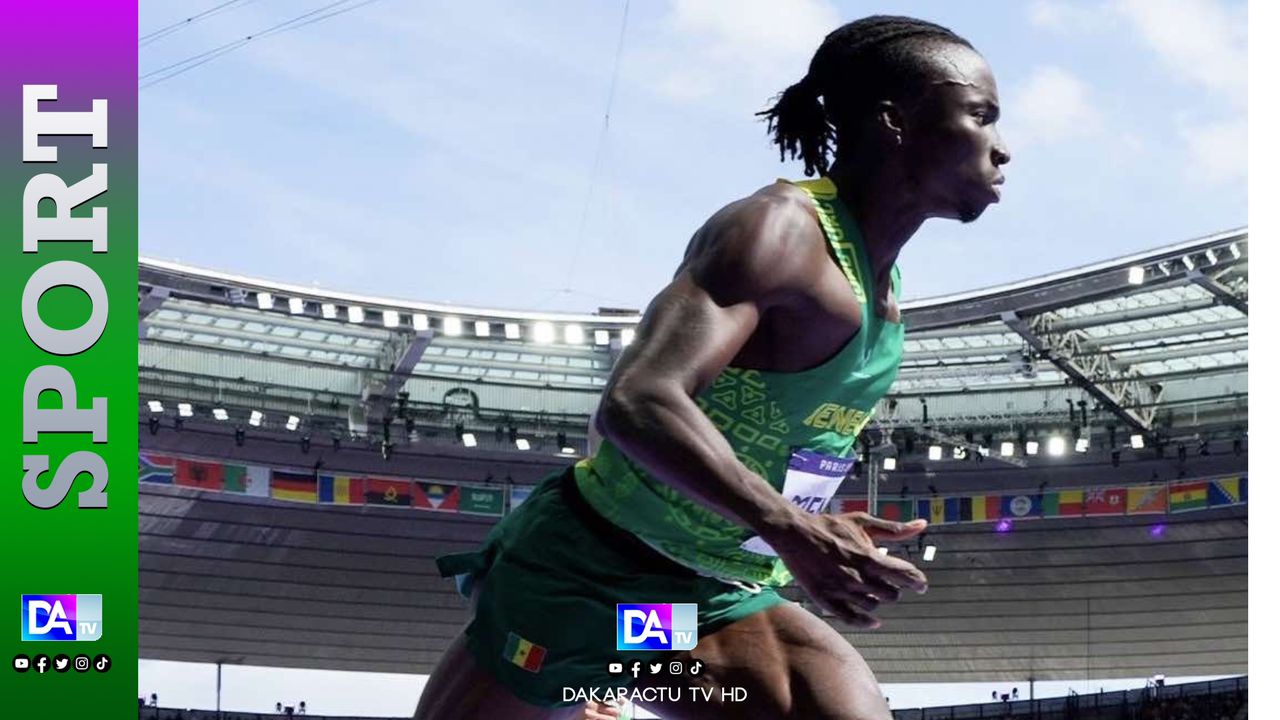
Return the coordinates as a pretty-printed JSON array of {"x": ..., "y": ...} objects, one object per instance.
[{"x": 764, "y": 416}]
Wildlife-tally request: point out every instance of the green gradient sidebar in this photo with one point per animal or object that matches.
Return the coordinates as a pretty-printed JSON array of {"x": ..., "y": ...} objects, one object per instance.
[{"x": 69, "y": 433}]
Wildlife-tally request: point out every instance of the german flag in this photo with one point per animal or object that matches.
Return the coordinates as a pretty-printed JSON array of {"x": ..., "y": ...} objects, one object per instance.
[
  {"x": 524, "y": 654},
  {"x": 293, "y": 486}
]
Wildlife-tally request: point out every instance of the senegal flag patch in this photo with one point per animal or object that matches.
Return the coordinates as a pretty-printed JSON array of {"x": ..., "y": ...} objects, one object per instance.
[{"x": 523, "y": 653}]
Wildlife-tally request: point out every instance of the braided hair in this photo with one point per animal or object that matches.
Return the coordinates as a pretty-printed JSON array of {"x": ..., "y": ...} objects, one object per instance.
[{"x": 857, "y": 65}]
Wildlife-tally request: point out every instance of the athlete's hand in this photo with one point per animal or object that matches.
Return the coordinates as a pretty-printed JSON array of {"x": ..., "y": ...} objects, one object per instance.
[
  {"x": 598, "y": 711},
  {"x": 834, "y": 558}
]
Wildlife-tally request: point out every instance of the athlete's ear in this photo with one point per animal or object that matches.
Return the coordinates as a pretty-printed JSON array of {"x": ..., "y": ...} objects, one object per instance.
[{"x": 890, "y": 123}]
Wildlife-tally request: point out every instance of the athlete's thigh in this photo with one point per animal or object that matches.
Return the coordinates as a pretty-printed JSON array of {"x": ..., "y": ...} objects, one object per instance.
[
  {"x": 791, "y": 664},
  {"x": 459, "y": 689}
]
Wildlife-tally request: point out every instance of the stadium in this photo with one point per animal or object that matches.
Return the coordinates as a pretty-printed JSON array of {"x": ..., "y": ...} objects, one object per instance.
[{"x": 1078, "y": 441}]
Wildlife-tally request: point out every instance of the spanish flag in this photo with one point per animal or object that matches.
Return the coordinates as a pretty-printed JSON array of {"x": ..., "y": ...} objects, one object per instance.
[{"x": 523, "y": 653}]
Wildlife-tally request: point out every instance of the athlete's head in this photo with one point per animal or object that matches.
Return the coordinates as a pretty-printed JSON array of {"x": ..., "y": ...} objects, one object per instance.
[{"x": 904, "y": 92}]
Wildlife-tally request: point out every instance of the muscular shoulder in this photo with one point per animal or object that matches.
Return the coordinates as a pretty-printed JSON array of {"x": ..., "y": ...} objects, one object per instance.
[{"x": 764, "y": 247}]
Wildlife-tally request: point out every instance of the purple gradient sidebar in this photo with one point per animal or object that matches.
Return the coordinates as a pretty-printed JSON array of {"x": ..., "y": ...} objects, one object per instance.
[{"x": 69, "y": 506}]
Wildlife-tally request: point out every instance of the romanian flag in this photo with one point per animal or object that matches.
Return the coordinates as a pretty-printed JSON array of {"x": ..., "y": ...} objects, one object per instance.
[
  {"x": 1225, "y": 492},
  {"x": 197, "y": 474},
  {"x": 293, "y": 486},
  {"x": 840, "y": 505},
  {"x": 1148, "y": 499},
  {"x": 378, "y": 491},
  {"x": 523, "y": 653},
  {"x": 1063, "y": 503},
  {"x": 1188, "y": 496},
  {"x": 436, "y": 496},
  {"x": 340, "y": 490},
  {"x": 156, "y": 469},
  {"x": 1105, "y": 501},
  {"x": 1020, "y": 506},
  {"x": 898, "y": 510}
]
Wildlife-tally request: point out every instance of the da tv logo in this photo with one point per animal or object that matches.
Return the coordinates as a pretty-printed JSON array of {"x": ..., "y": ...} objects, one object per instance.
[
  {"x": 62, "y": 618},
  {"x": 657, "y": 626}
]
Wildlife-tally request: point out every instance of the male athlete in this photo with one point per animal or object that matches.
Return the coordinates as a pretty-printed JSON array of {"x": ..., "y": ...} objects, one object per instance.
[{"x": 730, "y": 421}]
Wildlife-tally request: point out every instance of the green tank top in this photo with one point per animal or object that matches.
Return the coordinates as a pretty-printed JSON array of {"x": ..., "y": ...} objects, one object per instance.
[{"x": 766, "y": 417}]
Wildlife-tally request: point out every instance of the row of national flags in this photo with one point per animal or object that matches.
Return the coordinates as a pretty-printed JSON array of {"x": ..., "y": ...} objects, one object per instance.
[
  {"x": 320, "y": 488},
  {"x": 1149, "y": 499}
]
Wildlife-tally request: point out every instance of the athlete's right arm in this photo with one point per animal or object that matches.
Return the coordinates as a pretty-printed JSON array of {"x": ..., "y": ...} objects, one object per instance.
[{"x": 755, "y": 255}]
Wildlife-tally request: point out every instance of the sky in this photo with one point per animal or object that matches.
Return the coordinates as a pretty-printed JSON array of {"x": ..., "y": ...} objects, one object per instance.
[{"x": 459, "y": 152}]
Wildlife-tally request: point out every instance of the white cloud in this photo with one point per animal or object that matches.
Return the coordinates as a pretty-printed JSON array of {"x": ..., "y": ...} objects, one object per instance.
[
  {"x": 1063, "y": 17},
  {"x": 750, "y": 49},
  {"x": 1199, "y": 40},
  {"x": 1052, "y": 106},
  {"x": 1219, "y": 151}
]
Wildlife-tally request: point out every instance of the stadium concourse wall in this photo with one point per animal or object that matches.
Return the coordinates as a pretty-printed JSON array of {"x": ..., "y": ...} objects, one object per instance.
[{"x": 316, "y": 487}]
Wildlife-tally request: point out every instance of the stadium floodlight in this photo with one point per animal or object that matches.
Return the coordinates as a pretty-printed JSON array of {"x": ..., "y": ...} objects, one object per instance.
[
  {"x": 1188, "y": 262},
  {"x": 184, "y": 410},
  {"x": 255, "y": 418},
  {"x": 265, "y": 301},
  {"x": 1213, "y": 256},
  {"x": 468, "y": 439},
  {"x": 627, "y": 336},
  {"x": 482, "y": 328},
  {"x": 1006, "y": 449},
  {"x": 930, "y": 551},
  {"x": 329, "y": 311},
  {"x": 602, "y": 337},
  {"x": 1057, "y": 445},
  {"x": 1082, "y": 445},
  {"x": 573, "y": 334},
  {"x": 891, "y": 463},
  {"x": 1033, "y": 447},
  {"x": 1137, "y": 442},
  {"x": 1235, "y": 250},
  {"x": 522, "y": 444},
  {"x": 453, "y": 326},
  {"x": 420, "y": 322},
  {"x": 935, "y": 452},
  {"x": 1137, "y": 275},
  {"x": 390, "y": 319},
  {"x": 296, "y": 306},
  {"x": 566, "y": 450},
  {"x": 355, "y": 314},
  {"x": 292, "y": 423},
  {"x": 544, "y": 332},
  {"x": 220, "y": 413},
  {"x": 156, "y": 406},
  {"x": 957, "y": 453},
  {"x": 513, "y": 331}
]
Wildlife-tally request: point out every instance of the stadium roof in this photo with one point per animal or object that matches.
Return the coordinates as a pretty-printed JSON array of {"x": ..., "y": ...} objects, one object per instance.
[{"x": 1159, "y": 352}]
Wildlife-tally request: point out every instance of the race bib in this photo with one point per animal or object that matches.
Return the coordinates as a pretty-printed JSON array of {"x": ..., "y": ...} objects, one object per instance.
[{"x": 812, "y": 479}]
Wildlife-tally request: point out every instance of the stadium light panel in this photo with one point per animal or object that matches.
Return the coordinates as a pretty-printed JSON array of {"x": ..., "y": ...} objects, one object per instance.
[
  {"x": 935, "y": 452},
  {"x": 292, "y": 423},
  {"x": 891, "y": 463},
  {"x": 220, "y": 413},
  {"x": 390, "y": 319},
  {"x": 255, "y": 418},
  {"x": 573, "y": 334},
  {"x": 468, "y": 439},
  {"x": 184, "y": 410},
  {"x": 1213, "y": 256},
  {"x": 1006, "y": 449},
  {"x": 544, "y": 332},
  {"x": 602, "y": 337},
  {"x": 156, "y": 406},
  {"x": 1235, "y": 250},
  {"x": 957, "y": 453},
  {"x": 265, "y": 302},
  {"x": 453, "y": 326},
  {"x": 1082, "y": 445},
  {"x": 513, "y": 331},
  {"x": 1057, "y": 445},
  {"x": 1136, "y": 275},
  {"x": 482, "y": 328},
  {"x": 1137, "y": 442},
  {"x": 1033, "y": 447},
  {"x": 296, "y": 306},
  {"x": 420, "y": 322},
  {"x": 930, "y": 551},
  {"x": 329, "y": 311},
  {"x": 355, "y": 314},
  {"x": 568, "y": 451},
  {"x": 1188, "y": 262},
  {"x": 627, "y": 336},
  {"x": 522, "y": 444}
]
